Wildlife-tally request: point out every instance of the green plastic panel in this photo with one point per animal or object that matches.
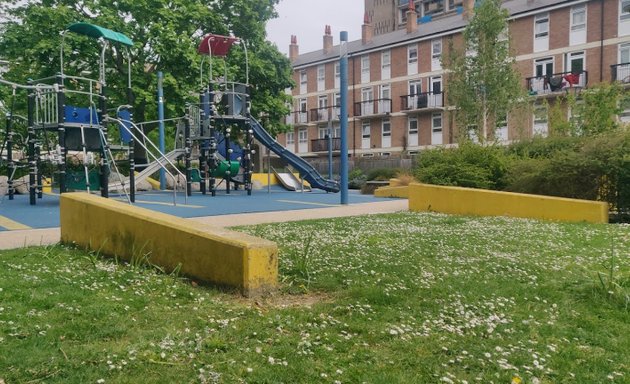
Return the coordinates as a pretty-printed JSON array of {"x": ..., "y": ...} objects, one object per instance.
[{"x": 96, "y": 32}]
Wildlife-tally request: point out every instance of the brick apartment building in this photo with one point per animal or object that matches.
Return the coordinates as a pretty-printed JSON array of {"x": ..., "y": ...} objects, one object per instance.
[{"x": 397, "y": 86}]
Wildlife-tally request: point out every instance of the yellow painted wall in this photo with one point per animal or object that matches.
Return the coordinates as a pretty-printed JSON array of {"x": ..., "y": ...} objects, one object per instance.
[
  {"x": 478, "y": 202},
  {"x": 400, "y": 192},
  {"x": 210, "y": 254}
]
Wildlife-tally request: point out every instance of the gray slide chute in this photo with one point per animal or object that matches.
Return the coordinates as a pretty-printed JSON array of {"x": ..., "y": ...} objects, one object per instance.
[{"x": 305, "y": 169}]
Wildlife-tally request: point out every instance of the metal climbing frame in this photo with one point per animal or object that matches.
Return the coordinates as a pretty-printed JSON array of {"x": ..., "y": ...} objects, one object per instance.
[{"x": 216, "y": 123}]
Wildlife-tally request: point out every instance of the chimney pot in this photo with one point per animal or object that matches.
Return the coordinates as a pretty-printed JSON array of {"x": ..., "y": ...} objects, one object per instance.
[
  {"x": 328, "y": 40},
  {"x": 367, "y": 31},
  {"x": 412, "y": 18},
  {"x": 294, "y": 49}
]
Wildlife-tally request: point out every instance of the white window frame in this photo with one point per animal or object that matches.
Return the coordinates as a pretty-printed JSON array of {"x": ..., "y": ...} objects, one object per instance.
[
  {"x": 321, "y": 77},
  {"x": 303, "y": 135},
  {"x": 366, "y": 134},
  {"x": 624, "y": 4},
  {"x": 386, "y": 59},
  {"x": 436, "y": 54},
  {"x": 386, "y": 132},
  {"x": 386, "y": 64},
  {"x": 303, "y": 81},
  {"x": 412, "y": 59},
  {"x": 290, "y": 136},
  {"x": 337, "y": 75},
  {"x": 581, "y": 8},
  {"x": 541, "y": 19},
  {"x": 411, "y": 131},
  {"x": 365, "y": 68},
  {"x": 437, "y": 128}
]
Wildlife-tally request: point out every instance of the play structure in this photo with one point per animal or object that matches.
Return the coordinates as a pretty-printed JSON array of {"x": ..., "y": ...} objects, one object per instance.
[{"x": 72, "y": 138}]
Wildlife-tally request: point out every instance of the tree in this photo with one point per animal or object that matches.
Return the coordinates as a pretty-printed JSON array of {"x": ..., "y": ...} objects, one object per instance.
[
  {"x": 165, "y": 35},
  {"x": 482, "y": 80}
]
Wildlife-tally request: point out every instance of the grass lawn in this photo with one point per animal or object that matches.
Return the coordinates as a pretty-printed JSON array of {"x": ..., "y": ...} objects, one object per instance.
[{"x": 399, "y": 298}]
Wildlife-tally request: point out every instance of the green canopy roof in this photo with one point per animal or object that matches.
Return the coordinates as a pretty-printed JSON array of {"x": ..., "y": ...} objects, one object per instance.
[{"x": 95, "y": 31}]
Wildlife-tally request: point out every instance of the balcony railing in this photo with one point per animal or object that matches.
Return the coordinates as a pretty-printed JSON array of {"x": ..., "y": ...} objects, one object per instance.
[
  {"x": 373, "y": 107},
  {"x": 324, "y": 113},
  {"x": 425, "y": 100},
  {"x": 621, "y": 72},
  {"x": 321, "y": 145},
  {"x": 557, "y": 82},
  {"x": 297, "y": 117}
]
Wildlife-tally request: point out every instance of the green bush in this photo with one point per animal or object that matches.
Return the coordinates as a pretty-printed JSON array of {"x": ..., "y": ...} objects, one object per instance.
[
  {"x": 593, "y": 168},
  {"x": 382, "y": 174},
  {"x": 470, "y": 165},
  {"x": 356, "y": 179}
]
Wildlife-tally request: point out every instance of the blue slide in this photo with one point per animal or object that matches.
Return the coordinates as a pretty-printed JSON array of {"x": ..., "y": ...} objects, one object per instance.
[{"x": 305, "y": 169}]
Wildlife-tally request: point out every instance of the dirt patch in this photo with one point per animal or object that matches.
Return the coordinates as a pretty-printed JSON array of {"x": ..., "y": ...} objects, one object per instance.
[{"x": 280, "y": 300}]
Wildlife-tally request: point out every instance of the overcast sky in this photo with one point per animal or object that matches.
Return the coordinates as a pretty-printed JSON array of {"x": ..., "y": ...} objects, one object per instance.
[{"x": 306, "y": 19}]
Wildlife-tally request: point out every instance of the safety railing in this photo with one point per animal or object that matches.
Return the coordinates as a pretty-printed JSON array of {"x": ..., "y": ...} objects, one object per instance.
[
  {"x": 423, "y": 100},
  {"x": 558, "y": 82}
]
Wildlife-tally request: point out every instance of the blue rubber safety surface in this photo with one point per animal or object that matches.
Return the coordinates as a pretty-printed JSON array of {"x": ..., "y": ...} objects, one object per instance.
[{"x": 46, "y": 213}]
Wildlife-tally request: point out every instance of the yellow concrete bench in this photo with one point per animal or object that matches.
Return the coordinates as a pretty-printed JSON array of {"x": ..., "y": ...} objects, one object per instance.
[
  {"x": 479, "y": 202},
  {"x": 214, "y": 255},
  {"x": 399, "y": 191}
]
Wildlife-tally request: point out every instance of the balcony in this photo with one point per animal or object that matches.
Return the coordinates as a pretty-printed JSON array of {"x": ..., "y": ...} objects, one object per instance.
[
  {"x": 297, "y": 118},
  {"x": 621, "y": 72},
  {"x": 373, "y": 108},
  {"x": 426, "y": 101},
  {"x": 321, "y": 145},
  {"x": 558, "y": 82},
  {"x": 324, "y": 113}
]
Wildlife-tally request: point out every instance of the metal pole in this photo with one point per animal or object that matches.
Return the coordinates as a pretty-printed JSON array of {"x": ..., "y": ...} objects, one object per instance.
[
  {"x": 161, "y": 126},
  {"x": 343, "y": 66}
]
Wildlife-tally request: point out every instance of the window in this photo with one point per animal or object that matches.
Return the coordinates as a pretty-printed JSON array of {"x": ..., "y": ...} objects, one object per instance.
[
  {"x": 413, "y": 126},
  {"x": 365, "y": 64},
  {"x": 578, "y": 18},
  {"x": 386, "y": 59},
  {"x": 387, "y": 128},
  {"x": 541, "y": 26},
  {"x": 436, "y": 122},
  {"x": 436, "y": 49},
  {"x": 321, "y": 73},
  {"x": 365, "y": 130},
  {"x": 365, "y": 69},
  {"x": 624, "y": 12},
  {"x": 290, "y": 138},
  {"x": 544, "y": 67},
  {"x": 624, "y": 53},
  {"x": 322, "y": 132},
  {"x": 412, "y": 54},
  {"x": 432, "y": 7},
  {"x": 303, "y": 135},
  {"x": 302, "y": 105},
  {"x": 337, "y": 75},
  {"x": 575, "y": 62},
  {"x": 303, "y": 77}
]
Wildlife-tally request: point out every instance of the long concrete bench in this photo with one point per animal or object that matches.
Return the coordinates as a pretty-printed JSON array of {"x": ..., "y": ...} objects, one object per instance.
[
  {"x": 479, "y": 202},
  {"x": 209, "y": 254}
]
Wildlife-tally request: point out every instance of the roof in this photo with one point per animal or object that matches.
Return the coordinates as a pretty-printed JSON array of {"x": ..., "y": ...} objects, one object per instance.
[
  {"x": 216, "y": 45},
  {"x": 96, "y": 32},
  {"x": 437, "y": 27}
]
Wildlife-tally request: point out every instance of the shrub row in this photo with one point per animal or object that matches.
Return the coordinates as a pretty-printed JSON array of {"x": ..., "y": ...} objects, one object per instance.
[{"x": 593, "y": 168}]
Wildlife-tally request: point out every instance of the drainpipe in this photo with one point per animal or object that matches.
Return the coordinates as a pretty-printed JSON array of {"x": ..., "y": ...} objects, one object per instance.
[
  {"x": 354, "y": 120},
  {"x": 601, "y": 41}
]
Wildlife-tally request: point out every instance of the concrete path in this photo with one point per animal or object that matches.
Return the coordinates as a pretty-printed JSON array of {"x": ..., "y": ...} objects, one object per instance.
[{"x": 38, "y": 237}]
